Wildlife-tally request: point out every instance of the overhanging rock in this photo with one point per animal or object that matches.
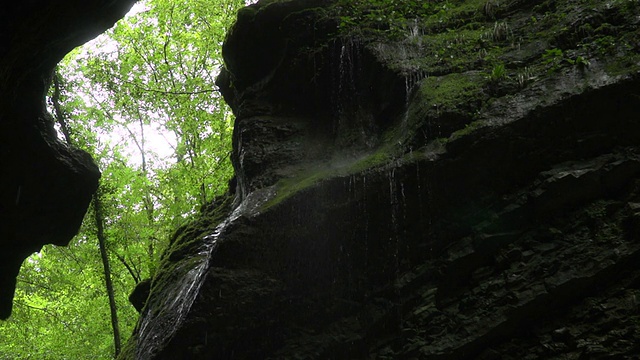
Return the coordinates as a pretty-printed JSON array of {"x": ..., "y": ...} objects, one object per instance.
[{"x": 45, "y": 186}]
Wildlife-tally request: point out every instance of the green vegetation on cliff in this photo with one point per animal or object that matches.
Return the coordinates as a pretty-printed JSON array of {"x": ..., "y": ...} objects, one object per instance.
[{"x": 465, "y": 60}]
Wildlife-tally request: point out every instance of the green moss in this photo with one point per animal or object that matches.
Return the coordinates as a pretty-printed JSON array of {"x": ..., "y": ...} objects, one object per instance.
[
  {"x": 190, "y": 235},
  {"x": 457, "y": 50},
  {"x": 128, "y": 351},
  {"x": 288, "y": 187},
  {"x": 285, "y": 188},
  {"x": 390, "y": 19},
  {"x": 468, "y": 129},
  {"x": 450, "y": 90},
  {"x": 381, "y": 157},
  {"x": 628, "y": 64},
  {"x": 454, "y": 14}
]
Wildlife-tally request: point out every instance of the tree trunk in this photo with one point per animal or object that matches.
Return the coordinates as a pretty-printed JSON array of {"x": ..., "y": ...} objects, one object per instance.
[
  {"x": 97, "y": 211},
  {"x": 98, "y": 217}
]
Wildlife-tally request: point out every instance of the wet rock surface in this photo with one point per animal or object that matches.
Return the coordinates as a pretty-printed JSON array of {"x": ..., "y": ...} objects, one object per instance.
[
  {"x": 45, "y": 185},
  {"x": 393, "y": 204}
]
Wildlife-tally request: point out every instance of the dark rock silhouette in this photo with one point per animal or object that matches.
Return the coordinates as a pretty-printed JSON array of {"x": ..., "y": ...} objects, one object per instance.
[
  {"x": 45, "y": 186},
  {"x": 139, "y": 295}
]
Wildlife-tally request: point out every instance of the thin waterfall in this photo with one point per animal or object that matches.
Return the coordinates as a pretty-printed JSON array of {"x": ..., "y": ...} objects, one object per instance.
[
  {"x": 398, "y": 212},
  {"x": 160, "y": 321},
  {"x": 412, "y": 81}
]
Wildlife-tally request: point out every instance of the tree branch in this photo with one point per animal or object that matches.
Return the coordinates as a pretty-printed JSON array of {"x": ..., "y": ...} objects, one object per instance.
[{"x": 55, "y": 99}]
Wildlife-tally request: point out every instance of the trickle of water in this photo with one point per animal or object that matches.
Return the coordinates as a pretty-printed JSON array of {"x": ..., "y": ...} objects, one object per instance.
[
  {"x": 346, "y": 76},
  {"x": 365, "y": 216},
  {"x": 416, "y": 33},
  {"x": 350, "y": 114},
  {"x": 397, "y": 200},
  {"x": 414, "y": 29},
  {"x": 160, "y": 320},
  {"x": 165, "y": 315},
  {"x": 352, "y": 187},
  {"x": 411, "y": 81},
  {"x": 408, "y": 87}
]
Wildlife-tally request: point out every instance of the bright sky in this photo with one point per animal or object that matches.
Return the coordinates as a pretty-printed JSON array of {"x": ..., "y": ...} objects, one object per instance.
[{"x": 158, "y": 142}]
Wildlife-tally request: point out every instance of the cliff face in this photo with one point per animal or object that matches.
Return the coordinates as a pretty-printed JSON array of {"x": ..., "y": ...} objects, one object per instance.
[
  {"x": 465, "y": 186},
  {"x": 45, "y": 185}
]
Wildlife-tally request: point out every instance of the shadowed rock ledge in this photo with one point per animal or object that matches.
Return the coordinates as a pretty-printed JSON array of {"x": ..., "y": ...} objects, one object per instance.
[
  {"x": 45, "y": 186},
  {"x": 465, "y": 187}
]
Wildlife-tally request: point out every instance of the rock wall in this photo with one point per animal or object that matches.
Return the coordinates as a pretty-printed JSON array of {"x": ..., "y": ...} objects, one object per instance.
[
  {"x": 45, "y": 185},
  {"x": 466, "y": 186}
]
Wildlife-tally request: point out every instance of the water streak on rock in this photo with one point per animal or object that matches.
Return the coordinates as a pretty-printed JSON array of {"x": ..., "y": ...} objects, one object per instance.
[{"x": 157, "y": 328}]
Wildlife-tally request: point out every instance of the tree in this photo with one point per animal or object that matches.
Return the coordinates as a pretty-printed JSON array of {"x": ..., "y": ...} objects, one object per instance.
[
  {"x": 97, "y": 212},
  {"x": 102, "y": 245},
  {"x": 150, "y": 77}
]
